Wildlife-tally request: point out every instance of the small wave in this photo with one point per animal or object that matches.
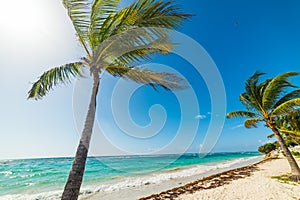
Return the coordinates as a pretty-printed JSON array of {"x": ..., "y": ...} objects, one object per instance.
[
  {"x": 173, "y": 174},
  {"x": 6, "y": 173},
  {"x": 53, "y": 195}
]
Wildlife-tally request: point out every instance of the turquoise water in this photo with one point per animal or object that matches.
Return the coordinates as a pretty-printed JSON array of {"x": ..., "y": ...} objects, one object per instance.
[{"x": 32, "y": 176}]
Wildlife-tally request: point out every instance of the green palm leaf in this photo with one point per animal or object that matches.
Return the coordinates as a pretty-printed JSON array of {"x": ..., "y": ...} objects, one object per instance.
[
  {"x": 165, "y": 80},
  {"x": 275, "y": 88},
  {"x": 237, "y": 114},
  {"x": 143, "y": 13},
  {"x": 291, "y": 133},
  {"x": 47, "y": 80},
  {"x": 287, "y": 97},
  {"x": 262, "y": 86},
  {"x": 131, "y": 46},
  {"x": 78, "y": 11},
  {"x": 289, "y": 121},
  {"x": 158, "y": 14},
  {"x": 252, "y": 122},
  {"x": 289, "y": 125},
  {"x": 101, "y": 9},
  {"x": 253, "y": 91},
  {"x": 286, "y": 107},
  {"x": 247, "y": 102},
  {"x": 144, "y": 52}
]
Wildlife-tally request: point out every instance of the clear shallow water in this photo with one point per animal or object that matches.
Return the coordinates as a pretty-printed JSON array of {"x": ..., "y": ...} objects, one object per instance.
[{"x": 21, "y": 179}]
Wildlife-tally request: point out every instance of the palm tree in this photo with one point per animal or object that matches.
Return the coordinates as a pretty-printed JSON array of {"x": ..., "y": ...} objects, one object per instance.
[
  {"x": 98, "y": 24},
  {"x": 266, "y": 102}
]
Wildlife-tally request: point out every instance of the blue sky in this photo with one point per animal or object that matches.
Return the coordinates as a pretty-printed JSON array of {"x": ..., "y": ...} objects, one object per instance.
[{"x": 240, "y": 37}]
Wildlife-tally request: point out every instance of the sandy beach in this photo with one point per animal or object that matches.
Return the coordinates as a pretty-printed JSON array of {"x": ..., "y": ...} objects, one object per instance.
[{"x": 248, "y": 183}]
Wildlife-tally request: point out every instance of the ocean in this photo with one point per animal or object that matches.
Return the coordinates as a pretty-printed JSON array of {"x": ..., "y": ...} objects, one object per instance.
[{"x": 44, "y": 178}]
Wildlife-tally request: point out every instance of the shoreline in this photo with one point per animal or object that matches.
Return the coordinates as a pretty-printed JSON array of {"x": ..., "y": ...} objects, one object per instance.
[
  {"x": 209, "y": 182},
  {"x": 147, "y": 189},
  {"x": 251, "y": 182}
]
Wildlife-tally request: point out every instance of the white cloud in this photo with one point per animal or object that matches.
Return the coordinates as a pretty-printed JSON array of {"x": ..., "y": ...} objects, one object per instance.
[
  {"x": 210, "y": 113},
  {"x": 262, "y": 142},
  {"x": 152, "y": 149},
  {"x": 200, "y": 116},
  {"x": 237, "y": 126}
]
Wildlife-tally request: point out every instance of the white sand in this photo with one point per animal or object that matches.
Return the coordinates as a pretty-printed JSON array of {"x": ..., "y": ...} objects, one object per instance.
[{"x": 259, "y": 186}]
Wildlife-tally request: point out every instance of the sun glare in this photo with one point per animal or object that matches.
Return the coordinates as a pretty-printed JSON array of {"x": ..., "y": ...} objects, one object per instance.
[
  {"x": 34, "y": 27},
  {"x": 28, "y": 22},
  {"x": 20, "y": 18}
]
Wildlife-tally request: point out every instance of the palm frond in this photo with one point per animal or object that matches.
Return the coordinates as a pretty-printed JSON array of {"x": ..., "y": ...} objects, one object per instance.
[
  {"x": 252, "y": 122},
  {"x": 138, "y": 55},
  {"x": 289, "y": 121},
  {"x": 144, "y": 52},
  {"x": 154, "y": 13},
  {"x": 247, "y": 102},
  {"x": 286, "y": 107},
  {"x": 165, "y": 80},
  {"x": 47, "y": 80},
  {"x": 131, "y": 46},
  {"x": 253, "y": 91},
  {"x": 237, "y": 114},
  {"x": 289, "y": 125},
  {"x": 79, "y": 13},
  {"x": 276, "y": 88},
  {"x": 143, "y": 13},
  {"x": 262, "y": 86},
  {"x": 117, "y": 23},
  {"x": 287, "y": 97},
  {"x": 253, "y": 80},
  {"x": 101, "y": 9},
  {"x": 291, "y": 133},
  {"x": 294, "y": 120}
]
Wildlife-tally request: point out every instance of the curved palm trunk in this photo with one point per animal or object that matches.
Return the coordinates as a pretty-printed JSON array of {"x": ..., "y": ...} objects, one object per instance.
[
  {"x": 295, "y": 170},
  {"x": 72, "y": 187}
]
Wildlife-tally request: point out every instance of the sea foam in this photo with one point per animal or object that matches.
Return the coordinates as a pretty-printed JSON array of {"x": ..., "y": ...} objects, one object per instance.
[{"x": 177, "y": 173}]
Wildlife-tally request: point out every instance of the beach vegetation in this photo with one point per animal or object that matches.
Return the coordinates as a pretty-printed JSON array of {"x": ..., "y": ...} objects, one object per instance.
[
  {"x": 267, "y": 148},
  {"x": 296, "y": 154},
  {"x": 285, "y": 178}
]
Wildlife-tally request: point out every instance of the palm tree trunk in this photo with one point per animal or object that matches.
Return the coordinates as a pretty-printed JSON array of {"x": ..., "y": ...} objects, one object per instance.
[
  {"x": 295, "y": 170},
  {"x": 72, "y": 187}
]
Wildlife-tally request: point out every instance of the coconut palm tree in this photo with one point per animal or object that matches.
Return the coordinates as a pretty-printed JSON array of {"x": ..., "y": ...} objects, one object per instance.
[
  {"x": 114, "y": 40},
  {"x": 267, "y": 102}
]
